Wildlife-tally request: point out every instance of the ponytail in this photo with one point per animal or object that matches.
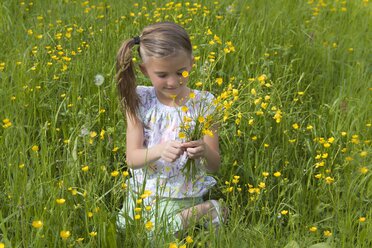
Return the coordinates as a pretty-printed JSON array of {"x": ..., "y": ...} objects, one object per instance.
[{"x": 126, "y": 78}]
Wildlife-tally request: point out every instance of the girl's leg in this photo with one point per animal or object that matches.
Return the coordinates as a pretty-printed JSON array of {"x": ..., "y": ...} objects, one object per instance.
[{"x": 205, "y": 210}]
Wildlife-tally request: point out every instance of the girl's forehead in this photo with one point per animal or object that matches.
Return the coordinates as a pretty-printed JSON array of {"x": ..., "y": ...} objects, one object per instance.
[{"x": 170, "y": 63}]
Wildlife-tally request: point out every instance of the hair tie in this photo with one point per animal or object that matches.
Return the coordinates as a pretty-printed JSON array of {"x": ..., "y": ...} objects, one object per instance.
[{"x": 137, "y": 40}]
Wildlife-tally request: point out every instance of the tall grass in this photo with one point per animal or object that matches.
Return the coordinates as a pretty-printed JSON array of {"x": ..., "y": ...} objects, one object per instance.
[{"x": 299, "y": 179}]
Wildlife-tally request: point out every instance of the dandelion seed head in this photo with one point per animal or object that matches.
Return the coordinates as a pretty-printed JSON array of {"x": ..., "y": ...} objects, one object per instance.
[{"x": 98, "y": 79}]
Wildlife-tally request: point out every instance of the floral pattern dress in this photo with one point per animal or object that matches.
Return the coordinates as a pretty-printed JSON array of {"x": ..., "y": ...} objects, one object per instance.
[{"x": 162, "y": 123}]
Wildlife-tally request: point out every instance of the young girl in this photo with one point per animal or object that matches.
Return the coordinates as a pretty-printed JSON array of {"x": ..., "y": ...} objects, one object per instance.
[{"x": 155, "y": 152}]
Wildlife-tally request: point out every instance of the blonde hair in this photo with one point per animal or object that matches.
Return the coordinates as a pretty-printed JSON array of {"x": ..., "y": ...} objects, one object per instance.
[{"x": 158, "y": 40}]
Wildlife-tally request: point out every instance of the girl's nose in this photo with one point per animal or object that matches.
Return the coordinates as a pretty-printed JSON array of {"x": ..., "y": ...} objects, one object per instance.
[{"x": 174, "y": 80}]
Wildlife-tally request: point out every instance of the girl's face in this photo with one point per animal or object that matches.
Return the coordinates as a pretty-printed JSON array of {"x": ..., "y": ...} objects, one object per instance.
[{"x": 166, "y": 76}]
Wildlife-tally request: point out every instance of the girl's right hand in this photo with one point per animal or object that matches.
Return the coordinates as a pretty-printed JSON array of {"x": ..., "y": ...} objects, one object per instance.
[{"x": 171, "y": 150}]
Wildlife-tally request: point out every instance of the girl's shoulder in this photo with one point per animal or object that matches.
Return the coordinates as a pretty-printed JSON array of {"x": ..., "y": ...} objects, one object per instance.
[
  {"x": 146, "y": 94},
  {"x": 203, "y": 95},
  {"x": 145, "y": 91}
]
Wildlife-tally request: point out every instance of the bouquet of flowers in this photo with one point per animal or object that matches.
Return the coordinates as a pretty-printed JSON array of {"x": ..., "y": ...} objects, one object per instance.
[{"x": 201, "y": 116}]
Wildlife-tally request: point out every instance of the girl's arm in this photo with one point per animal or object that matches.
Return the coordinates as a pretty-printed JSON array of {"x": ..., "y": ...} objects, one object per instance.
[
  {"x": 139, "y": 156},
  {"x": 212, "y": 152}
]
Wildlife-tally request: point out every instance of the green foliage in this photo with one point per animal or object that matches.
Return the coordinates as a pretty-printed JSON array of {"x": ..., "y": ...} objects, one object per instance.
[{"x": 295, "y": 141}]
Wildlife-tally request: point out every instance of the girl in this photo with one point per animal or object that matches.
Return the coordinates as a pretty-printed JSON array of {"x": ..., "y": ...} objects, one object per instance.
[{"x": 155, "y": 153}]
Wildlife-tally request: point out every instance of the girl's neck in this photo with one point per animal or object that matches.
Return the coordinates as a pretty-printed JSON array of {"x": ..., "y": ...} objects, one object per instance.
[{"x": 177, "y": 101}]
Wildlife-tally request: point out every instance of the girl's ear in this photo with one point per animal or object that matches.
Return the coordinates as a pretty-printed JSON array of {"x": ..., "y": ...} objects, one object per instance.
[{"x": 143, "y": 70}]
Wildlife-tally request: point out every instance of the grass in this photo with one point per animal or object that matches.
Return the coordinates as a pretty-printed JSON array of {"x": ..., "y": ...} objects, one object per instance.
[{"x": 296, "y": 150}]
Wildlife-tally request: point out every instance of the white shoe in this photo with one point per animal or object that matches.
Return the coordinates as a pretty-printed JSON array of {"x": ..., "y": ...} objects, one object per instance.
[{"x": 219, "y": 219}]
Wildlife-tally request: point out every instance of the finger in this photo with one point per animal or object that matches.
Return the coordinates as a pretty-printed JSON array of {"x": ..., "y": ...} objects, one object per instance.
[
  {"x": 190, "y": 144},
  {"x": 170, "y": 158},
  {"x": 195, "y": 152},
  {"x": 193, "y": 155},
  {"x": 176, "y": 144}
]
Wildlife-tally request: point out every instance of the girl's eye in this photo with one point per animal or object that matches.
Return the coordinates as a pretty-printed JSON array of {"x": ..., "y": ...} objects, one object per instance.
[
  {"x": 179, "y": 73},
  {"x": 162, "y": 76}
]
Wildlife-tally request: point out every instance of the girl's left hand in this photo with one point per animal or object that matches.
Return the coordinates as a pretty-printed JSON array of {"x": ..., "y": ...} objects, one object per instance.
[{"x": 194, "y": 149}]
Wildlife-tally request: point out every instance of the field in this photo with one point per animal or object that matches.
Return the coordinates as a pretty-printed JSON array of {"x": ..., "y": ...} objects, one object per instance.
[{"x": 295, "y": 80}]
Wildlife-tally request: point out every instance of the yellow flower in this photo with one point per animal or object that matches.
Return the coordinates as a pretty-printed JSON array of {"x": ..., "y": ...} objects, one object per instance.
[
  {"x": 173, "y": 245},
  {"x": 284, "y": 212},
  {"x": 115, "y": 173},
  {"x": 362, "y": 219},
  {"x": 327, "y": 233},
  {"x": 262, "y": 185},
  {"x": 198, "y": 84},
  {"x": 331, "y": 140},
  {"x": 278, "y": 116},
  {"x": 184, "y": 109},
  {"x": 295, "y": 126},
  {"x": 37, "y": 224},
  {"x": 262, "y": 78},
  {"x": 35, "y": 148},
  {"x": 185, "y": 74},
  {"x": 93, "y": 234},
  {"x": 208, "y": 132},
  {"x": 65, "y": 234},
  {"x": 327, "y": 145},
  {"x": 192, "y": 95},
  {"x": 189, "y": 239},
  {"x": 137, "y": 217},
  {"x": 219, "y": 81},
  {"x": 329, "y": 180},
  {"x": 125, "y": 173},
  {"x": 277, "y": 174},
  {"x": 313, "y": 229},
  {"x": 235, "y": 92},
  {"x": 363, "y": 154},
  {"x": 2, "y": 245},
  {"x": 124, "y": 185},
  {"x": 348, "y": 158},
  {"x": 60, "y": 201},
  {"x": 102, "y": 134},
  {"x": 93, "y": 134},
  {"x": 7, "y": 123},
  {"x": 265, "y": 174},
  {"x": 149, "y": 225},
  {"x": 182, "y": 135},
  {"x": 79, "y": 240},
  {"x": 363, "y": 170},
  {"x": 253, "y": 92},
  {"x": 85, "y": 168},
  {"x": 201, "y": 119}
]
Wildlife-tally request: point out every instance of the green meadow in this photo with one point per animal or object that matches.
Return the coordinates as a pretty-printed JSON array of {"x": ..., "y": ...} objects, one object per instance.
[{"x": 294, "y": 78}]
